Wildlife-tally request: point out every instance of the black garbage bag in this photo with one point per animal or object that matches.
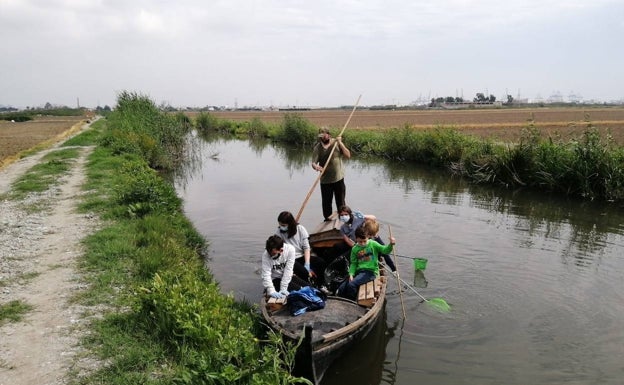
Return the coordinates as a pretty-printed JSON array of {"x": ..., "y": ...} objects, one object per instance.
[{"x": 336, "y": 272}]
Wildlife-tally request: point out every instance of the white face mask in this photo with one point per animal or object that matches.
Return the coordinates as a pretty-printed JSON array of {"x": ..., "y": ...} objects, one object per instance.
[
  {"x": 344, "y": 218},
  {"x": 283, "y": 229}
]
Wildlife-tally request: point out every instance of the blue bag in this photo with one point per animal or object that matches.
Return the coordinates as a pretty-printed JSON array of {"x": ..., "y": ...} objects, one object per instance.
[{"x": 304, "y": 299}]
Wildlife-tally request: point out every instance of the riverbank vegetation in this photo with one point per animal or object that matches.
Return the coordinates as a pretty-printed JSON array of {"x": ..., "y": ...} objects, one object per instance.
[
  {"x": 164, "y": 320},
  {"x": 590, "y": 166}
]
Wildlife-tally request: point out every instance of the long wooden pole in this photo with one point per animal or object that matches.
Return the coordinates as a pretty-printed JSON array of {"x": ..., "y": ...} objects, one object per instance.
[
  {"x": 318, "y": 178},
  {"x": 397, "y": 275}
]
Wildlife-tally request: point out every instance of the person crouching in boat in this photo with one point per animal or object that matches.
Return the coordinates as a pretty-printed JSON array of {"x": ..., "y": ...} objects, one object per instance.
[
  {"x": 278, "y": 260},
  {"x": 351, "y": 220},
  {"x": 364, "y": 265},
  {"x": 307, "y": 266}
]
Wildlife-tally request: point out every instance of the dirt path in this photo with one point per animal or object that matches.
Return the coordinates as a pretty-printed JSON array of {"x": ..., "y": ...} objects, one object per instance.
[{"x": 38, "y": 256}]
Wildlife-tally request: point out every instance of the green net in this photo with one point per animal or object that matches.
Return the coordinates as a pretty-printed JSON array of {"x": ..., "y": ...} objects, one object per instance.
[
  {"x": 420, "y": 263},
  {"x": 439, "y": 304}
]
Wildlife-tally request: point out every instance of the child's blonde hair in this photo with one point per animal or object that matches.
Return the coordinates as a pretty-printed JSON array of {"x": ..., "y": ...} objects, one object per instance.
[{"x": 371, "y": 226}]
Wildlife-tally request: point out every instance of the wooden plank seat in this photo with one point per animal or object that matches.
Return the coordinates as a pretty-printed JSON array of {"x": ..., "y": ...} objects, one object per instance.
[
  {"x": 368, "y": 292},
  {"x": 275, "y": 304}
]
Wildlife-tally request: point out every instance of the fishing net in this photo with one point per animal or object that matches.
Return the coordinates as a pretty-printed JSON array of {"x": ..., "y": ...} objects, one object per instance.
[{"x": 439, "y": 304}]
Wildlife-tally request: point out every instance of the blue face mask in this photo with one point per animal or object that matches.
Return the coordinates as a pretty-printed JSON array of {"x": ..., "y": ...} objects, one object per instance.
[
  {"x": 344, "y": 218},
  {"x": 283, "y": 229}
]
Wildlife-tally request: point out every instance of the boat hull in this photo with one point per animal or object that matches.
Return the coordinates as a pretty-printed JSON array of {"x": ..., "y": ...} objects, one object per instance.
[{"x": 327, "y": 333}]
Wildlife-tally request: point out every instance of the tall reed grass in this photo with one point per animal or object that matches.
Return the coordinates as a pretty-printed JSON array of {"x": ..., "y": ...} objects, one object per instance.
[
  {"x": 168, "y": 321},
  {"x": 137, "y": 126},
  {"x": 590, "y": 167}
]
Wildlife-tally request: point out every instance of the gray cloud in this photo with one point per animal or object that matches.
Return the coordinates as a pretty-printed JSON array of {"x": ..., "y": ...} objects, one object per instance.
[{"x": 306, "y": 53}]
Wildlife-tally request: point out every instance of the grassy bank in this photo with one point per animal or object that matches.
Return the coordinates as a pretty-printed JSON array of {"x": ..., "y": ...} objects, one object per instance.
[
  {"x": 590, "y": 166},
  {"x": 165, "y": 320}
]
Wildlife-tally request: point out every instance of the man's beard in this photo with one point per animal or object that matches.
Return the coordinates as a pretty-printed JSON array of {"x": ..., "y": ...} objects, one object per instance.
[{"x": 325, "y": 141}]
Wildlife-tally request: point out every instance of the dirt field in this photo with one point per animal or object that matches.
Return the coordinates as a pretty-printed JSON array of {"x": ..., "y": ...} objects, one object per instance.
[
  {"x": 21, "y": 136},
  {"x": 500, "y": 124}
]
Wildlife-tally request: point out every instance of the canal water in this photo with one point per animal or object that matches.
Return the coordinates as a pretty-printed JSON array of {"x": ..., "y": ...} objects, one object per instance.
[{"x": 535, "y": 282}]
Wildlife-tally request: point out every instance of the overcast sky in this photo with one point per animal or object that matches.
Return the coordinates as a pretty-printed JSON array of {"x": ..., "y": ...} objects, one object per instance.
[{"x": 307, "y": 53}]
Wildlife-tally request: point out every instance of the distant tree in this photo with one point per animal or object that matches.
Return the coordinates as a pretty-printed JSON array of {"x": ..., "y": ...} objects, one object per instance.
[
  {"x": 449, "y": 99},
  {"x": 510, "y": 99},
  {"x": 492, "y": 98},
  {"x": 47, "y": 106},
  {"x": 103, "y": 110},
  {"x": 480, "y": 98},
  {"x": 459, "y": 99}
]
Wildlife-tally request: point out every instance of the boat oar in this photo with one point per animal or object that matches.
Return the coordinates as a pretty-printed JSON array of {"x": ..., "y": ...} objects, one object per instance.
[
  {"x": 397, "y": 275},
  {"x": 318, "y": 178},
  {"x": 437, "y": 303}
]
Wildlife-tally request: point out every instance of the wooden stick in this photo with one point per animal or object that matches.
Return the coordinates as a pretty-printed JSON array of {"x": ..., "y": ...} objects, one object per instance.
[
  {"x": 397, "y": 275},
  {"x": 318, "y": 178}
]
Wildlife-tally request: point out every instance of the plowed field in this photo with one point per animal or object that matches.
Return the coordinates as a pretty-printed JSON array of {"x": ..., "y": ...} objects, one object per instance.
[
  {"x": 500, "y": 124},
  {"x": 20, "y": 136}
]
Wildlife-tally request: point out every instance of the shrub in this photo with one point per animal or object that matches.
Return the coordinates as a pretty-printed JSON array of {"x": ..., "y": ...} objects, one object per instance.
[
  {"x": 143, "y": 192},
  {"x": 139, "y": 127},
  {"x": 257, "y": 128},
  {"x": 210, "y": 334},
  {"x": 296, "y": 129},
  {"x": 206, "y": 122}
]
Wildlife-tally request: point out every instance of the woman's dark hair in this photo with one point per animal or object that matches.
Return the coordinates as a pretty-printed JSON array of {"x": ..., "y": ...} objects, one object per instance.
[
  {"x": 287, "y": 217},
  {"x": 346, "y": 209},
  {"x": 274, "y": 242}
]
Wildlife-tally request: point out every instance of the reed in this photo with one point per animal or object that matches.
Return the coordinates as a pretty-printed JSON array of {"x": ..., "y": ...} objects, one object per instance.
[
  {"x": 137, "y": 126},
  {"x": 163, "y": 311},
  {"x": 590, "y": 167}
]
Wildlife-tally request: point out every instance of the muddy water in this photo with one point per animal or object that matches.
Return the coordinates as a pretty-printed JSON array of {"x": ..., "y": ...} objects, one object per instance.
[{"x": 536, "y": 283}]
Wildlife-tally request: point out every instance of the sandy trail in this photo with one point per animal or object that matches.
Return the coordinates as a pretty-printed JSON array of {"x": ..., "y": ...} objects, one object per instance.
[{"x": 38, "y": 256}]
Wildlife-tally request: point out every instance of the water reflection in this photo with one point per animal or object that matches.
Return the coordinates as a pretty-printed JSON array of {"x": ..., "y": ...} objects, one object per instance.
[
  {"x": 367, "y": 364},
  {"x": 526, "y": 273},
  {"x": 587, "y": 224}
]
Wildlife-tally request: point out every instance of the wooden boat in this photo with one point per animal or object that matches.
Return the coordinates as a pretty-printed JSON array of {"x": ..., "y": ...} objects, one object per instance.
[
  {"x": 329, "y": 332},
  {"x": 327, "y": 233}
]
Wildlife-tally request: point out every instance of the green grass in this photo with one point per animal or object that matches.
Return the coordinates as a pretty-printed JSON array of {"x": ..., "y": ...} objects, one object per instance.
[
  {"x": 89, "y": 137},
  {"x": 163, "y": 313},
  {"x": 13, "y": 311},
  {"x": 45, "y": 174}
]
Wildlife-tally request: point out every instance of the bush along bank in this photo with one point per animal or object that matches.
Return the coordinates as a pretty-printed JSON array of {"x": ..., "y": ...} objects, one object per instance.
[
  {"x": 590, "y": 167},
  {"x": 165, "y": 320}
]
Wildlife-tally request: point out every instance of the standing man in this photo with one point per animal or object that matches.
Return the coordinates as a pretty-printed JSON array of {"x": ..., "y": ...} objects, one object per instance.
[{"x": 332, "y": 180}]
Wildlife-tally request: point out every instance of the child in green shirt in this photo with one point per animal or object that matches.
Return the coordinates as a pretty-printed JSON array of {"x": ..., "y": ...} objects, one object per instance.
[{"x": 364, "y": 263}]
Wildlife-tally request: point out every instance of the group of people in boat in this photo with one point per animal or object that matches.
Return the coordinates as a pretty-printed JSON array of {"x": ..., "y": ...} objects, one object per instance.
[{"x": 288, "y": 262}]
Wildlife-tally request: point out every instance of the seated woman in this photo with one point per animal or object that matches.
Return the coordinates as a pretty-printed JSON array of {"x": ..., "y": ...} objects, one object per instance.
[
  {"x": 307, "y": 266},
  {"x": 351, "y": 220},
  {"x": 278, "y": 260}
]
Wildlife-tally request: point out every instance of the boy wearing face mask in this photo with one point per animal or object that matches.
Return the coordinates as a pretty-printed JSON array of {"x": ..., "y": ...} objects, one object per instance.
[{"x": 278, "y": 260}]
